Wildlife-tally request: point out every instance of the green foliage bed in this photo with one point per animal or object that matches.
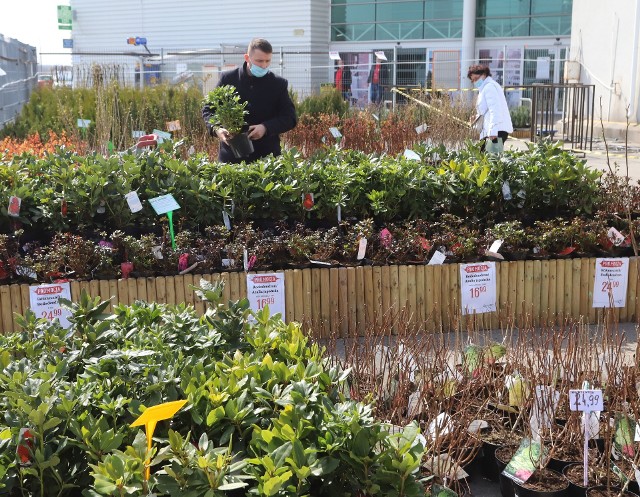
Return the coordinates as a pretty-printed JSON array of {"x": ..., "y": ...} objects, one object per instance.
[{"x": 266, "y": 413}]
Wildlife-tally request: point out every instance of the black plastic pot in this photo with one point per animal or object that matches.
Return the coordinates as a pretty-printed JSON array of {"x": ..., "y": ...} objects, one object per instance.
[
  {"x": 241, "y": 146},
  {"x": 488, "y": 464},
  {"x": 574, "y": 490},
  {"x": 506, "y": 483}
]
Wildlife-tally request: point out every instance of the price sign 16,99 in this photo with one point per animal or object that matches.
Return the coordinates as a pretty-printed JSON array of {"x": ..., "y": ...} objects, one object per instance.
[{"x": 585, "y": 400}]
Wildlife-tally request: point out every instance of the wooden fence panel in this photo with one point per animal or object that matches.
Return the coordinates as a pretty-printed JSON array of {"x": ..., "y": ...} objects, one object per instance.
[{"x": 345, "y": 301}]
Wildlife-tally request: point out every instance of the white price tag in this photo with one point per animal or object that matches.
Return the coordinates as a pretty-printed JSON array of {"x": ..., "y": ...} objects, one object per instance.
[
  {"x": 585, "y": 400},
  {"x": 335, "y": 132},
  {"x": 133, "y": 201},
  {"x": 615, "y": 236},
  {"x": 478, "y": 287},
  {"x": 226, "y": 220},
  {"x": 495, "y": 246},
  {"x": 44, "y": 302},
  {"x": 334, "y": 55},
  {"x": 422, "y": 128},
  {"x": 410, "y": 154},
  {"x": 506, "y": 190},
  {"x": 266, "y": 289},
  {"x": 610, "y": 285},
  {"x": 362, "y": 248},
  {"x": 437, "y": 258},
  {"x": 164, "y": 204}
]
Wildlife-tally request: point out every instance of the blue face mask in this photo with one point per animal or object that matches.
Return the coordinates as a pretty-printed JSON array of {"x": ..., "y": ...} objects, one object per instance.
[
  {"x": 478, "y": 83},
  {"x": 258, "y": 71}
]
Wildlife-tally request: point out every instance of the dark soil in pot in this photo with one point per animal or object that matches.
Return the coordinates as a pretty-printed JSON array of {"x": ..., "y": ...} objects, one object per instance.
[
  {"x": 574, "y": 473},
  {"x": 491, "y": 441},
  {"x": 608, "y": 492},
  {"x": 543, "y": 483},
  {"x": 563, "y": 456}
]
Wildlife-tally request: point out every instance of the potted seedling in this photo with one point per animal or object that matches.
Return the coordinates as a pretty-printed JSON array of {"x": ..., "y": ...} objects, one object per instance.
[{"x": 228, "y": 112}]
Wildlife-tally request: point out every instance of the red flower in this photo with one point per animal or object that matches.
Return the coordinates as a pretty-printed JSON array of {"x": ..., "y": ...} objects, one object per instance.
[
  {"x": 308, "y": 202},
  {"x": 25, "y": 447}
]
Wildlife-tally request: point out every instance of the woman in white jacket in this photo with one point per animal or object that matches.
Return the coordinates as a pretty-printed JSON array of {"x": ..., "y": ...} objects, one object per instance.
[{"x": 491, "y": 105}]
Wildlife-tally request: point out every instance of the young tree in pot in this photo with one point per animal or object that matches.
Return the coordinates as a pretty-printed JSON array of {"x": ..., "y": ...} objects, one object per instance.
[{"x": 228, "y": 113}]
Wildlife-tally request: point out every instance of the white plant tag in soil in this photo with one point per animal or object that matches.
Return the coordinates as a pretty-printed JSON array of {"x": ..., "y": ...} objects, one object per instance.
[{"x": 362, "y": 248}]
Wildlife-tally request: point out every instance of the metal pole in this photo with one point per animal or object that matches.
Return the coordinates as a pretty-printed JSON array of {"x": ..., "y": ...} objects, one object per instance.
[{"x": 395, "y": 76}]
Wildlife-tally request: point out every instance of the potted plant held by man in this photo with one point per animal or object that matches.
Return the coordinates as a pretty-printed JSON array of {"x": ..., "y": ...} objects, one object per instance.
[{"x": 228, "y": 112}]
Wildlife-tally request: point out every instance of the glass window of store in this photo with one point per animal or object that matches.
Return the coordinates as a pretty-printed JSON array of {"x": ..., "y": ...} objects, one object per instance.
[
  {"x": 395, "y": 20},
  {"x": 507, "y": 18}
]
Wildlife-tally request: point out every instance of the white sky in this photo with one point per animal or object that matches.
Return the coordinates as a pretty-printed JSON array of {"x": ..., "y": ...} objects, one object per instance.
[{"x": 35, "y": 22}]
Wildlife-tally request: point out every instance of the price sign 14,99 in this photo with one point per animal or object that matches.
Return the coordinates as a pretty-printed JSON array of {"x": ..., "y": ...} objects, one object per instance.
[{"x": 585, "y": 400}]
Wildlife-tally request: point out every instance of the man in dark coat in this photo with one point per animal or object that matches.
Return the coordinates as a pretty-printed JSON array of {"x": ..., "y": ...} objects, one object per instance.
[{"x": 270, "y": 108}]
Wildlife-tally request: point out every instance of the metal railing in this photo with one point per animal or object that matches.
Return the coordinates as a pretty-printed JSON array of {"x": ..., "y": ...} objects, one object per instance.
[{"x": 18, "y": 77}]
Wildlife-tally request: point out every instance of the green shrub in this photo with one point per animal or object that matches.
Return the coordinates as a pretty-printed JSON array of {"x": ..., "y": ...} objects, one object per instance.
[{"x": 265, "y": 409}]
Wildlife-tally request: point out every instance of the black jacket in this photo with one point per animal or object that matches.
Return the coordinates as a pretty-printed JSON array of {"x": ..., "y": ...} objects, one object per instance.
[{"x": 268, "y": 103}]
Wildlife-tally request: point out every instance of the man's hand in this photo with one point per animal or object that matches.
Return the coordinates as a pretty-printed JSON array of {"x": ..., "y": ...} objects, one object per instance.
[
  {"x": 257, "y": 131},
  {"x": 223, "y": 135}
]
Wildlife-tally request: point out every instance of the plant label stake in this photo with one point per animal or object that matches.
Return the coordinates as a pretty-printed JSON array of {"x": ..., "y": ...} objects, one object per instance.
[
  {"x": 586, "y": 401},
  {"x": 14, "y": 206},
  {"x": 133, "y": 201},
  {"x": 226, "y": 220},
  {"x": 166, "y": 204},
  {"x": 150, "y": 418},
  {"x": 362, "y": 248}
]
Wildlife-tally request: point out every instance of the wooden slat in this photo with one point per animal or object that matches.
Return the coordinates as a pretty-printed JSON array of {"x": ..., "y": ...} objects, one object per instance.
[
  {"x": 334, "y": 301},
  {"x": 584, "y": 288},
  {"x": 150, "y": 285},
  {"x": 113, "y": 291},
  {"x": 84, "y": 286},
  {"x": 16, "y": 303},
  {"x": 520, "y": 292},
  {"x": 560, "y": 291},
  {"x": 6, "y": 309},
  {"x": 445, "y": 295},
  {"x": 412, "y": 304},
  {"x": 421, "y": 304},
  {"x": 75, "y": 290},
  {"x": 575, "y": 284},
  {"x": 306, "y": 298},
  {"x": 298, "y": 296},
  {"x": 394, "y": 296},
  {"x": 361, "y": 300},
  {"x": 343, "y": 302},
  {"x": 553, "y": 287},
  {"x": 454, "y": 295},
  {"x": 141, "y": 288},
  {"x": 316, "y": 300},
  {"x": 170, "y": 291},
  {"x": 123, "y": 292},
  {"x": 513, "y": 291},
  {"x": 94, "y": 289},
  {"x": 289, "y": 291},
  {"x": 243, "y": 285},
  {"x": 325, "y": 304},
  {"x": 105, "y": 294},
  {"x": 161, "y": 289},
  {"x": 352, "y": 301},
  {"x": 226, "y": 292},
  {"x": 378, "y": 298},
  {"x": 385, "y": 285},
  {"x": 544, "y": 293},
  {"x": 132, "y": 290},
  {"x": 402, "y": 290},
  {"x": 537, "y": 282},
  {"x": 429, "y": 297},
  {"x": 26, "y": 299},
  {"x": 592, "y": 275},
  {"x": 503, "y": 295},
  {"x": 369, "y": 295},
  {"x": 189, "y": 293},
  {"x": 178, "y": 281},
  {"x": 234, "y": 286},
  {"x": 528, "y": 290},
  {"x": 437, "y": 296},
  {"x": 568, "y": 287}
]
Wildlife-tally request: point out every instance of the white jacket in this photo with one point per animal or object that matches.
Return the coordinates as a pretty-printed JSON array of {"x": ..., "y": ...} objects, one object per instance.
[{"x": 492, "y": 106}]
